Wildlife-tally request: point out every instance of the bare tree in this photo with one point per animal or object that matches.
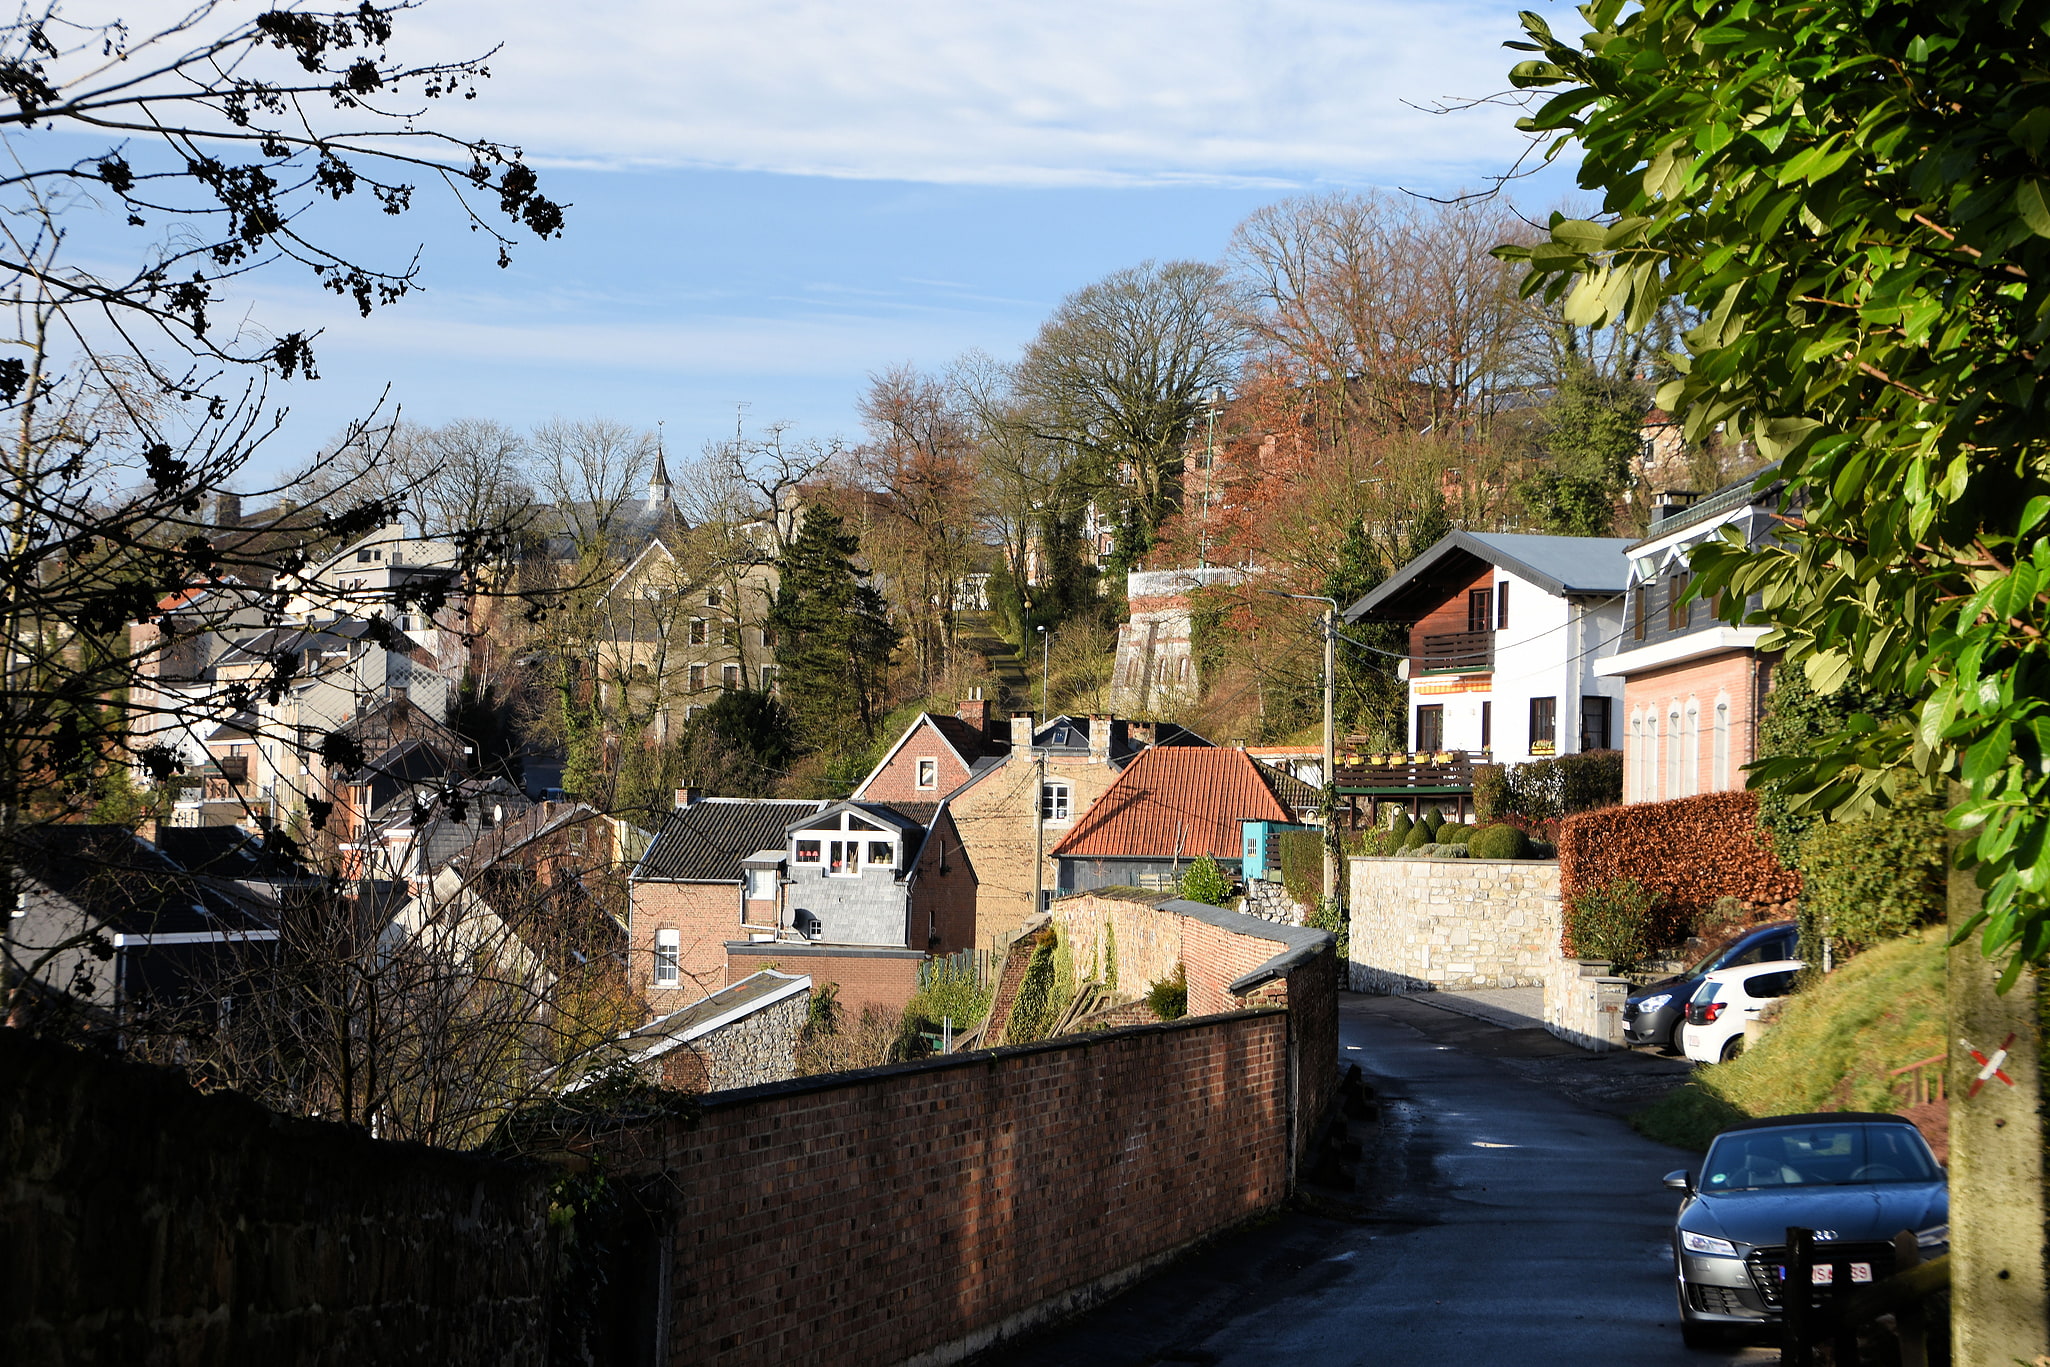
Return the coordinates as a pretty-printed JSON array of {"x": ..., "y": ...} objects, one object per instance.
[
  {"x": 593, "y": 471},
  {"x": 1120, "y": 371}
]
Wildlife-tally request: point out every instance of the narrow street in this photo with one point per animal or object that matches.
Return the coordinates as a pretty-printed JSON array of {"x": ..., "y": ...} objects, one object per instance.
[{"x": 1501, "y": 1220}]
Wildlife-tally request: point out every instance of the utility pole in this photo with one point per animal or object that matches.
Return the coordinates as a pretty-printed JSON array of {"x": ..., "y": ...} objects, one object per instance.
[
  {"x": 1332, "y": 888},
  {"x": 1039, "y": 830},
  {"x": 1045, "y": 647}
]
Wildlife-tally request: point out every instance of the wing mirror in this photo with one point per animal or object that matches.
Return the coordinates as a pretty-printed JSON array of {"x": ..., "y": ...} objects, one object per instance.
[{"x": 1680, "y": 1180}]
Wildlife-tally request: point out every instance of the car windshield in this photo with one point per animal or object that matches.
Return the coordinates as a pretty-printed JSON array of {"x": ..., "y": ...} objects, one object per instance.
[{"x": 1816, "y": 1156}]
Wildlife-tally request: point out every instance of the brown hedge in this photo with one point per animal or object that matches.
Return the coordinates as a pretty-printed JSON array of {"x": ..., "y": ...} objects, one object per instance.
[{"x": 1690, "y": 852}]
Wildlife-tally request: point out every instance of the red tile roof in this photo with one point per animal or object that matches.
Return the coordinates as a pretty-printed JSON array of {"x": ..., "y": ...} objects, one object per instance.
[{"x": 1176, "y": 799}]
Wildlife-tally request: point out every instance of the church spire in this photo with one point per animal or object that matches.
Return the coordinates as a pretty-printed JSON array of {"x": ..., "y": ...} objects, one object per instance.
[{"x": 659, "y": 490}]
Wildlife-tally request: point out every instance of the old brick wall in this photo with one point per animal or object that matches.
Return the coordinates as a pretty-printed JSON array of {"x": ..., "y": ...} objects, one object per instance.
[
  {"x": 141, "y": 1222},
  {"x": 1419, "y": 924},
  {"x": 920, "y": 1211},
  {"x": 897, "y": 780},
  {"x": 880, "y": 977},
  {"x": 997, "y": 818},
  {"x": 944, "y": 895},
  {"x": 706, "y": 916}
]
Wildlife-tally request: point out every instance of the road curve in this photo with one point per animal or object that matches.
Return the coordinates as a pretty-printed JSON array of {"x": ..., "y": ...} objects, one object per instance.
[{"x": 1505, "y": 1223}]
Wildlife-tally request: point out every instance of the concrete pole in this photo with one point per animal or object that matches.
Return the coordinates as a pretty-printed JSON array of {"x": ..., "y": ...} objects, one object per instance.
[
  {"x": 1039, "y": 832},
  {"x": 1997, "y": 1211}
]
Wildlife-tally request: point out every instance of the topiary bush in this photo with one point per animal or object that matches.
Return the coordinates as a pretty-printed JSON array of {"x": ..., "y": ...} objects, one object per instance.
[
  {"x": 1434, "y": 821},
  {"x": 1872, "y": 880},
  {"x": 1498, "y": 842},
  {"x": 1455, "y": 833},
  {"x": 1401, "y": 825},
  {"x": 1169, "y": 998},
  {"x": 1419, "y": 835},
  {"x": 1620, "y": 921}
]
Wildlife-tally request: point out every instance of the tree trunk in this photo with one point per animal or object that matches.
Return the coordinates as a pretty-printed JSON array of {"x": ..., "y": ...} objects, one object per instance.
[{"x": 1997, "y": 1209}]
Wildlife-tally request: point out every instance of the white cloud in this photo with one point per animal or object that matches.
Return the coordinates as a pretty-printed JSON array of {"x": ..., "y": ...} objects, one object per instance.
[{"x": 1051, "y": 92}]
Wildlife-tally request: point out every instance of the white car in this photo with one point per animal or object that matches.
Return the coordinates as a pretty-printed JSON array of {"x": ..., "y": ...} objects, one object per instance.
[{"x": 1713, "y": 1031}]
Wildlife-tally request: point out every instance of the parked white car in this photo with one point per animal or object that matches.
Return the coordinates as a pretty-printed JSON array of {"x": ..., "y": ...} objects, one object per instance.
[{"x": 1713, "y": 1031}]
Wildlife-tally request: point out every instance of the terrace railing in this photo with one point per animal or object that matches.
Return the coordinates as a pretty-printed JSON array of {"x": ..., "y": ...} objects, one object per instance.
[
  {"x": 1457, "y": 651},
  {"x": 1361, "y": 772}
]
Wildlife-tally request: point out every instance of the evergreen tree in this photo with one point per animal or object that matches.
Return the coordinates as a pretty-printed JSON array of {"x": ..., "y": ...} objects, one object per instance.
[
  {"x": 1592, "y": 430},
  {"x": 833, "y": 634}
]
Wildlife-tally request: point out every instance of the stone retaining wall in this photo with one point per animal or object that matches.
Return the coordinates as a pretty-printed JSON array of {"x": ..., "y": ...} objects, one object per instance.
[{"x": 1447, "y": 924}]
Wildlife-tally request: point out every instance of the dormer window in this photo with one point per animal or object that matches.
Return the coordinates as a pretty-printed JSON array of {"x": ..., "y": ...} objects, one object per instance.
[
  {"x": 807, "y": 852},
  {"x": 928, "y": 773},
  {"x": 843, "y": 859},
  {"x": 882, "y": 853}
]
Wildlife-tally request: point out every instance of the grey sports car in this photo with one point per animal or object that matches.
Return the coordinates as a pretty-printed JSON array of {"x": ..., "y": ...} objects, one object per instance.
[{"x": 1856, "y": 1178}]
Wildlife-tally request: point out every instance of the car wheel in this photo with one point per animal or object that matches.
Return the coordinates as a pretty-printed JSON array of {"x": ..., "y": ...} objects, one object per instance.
[
  {"x": 1732, "y": 1047},
  {"x": 1673, "y": 1044}
]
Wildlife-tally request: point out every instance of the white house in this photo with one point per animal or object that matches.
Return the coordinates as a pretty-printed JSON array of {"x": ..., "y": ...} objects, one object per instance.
[{"x": 1504, "y": 632}]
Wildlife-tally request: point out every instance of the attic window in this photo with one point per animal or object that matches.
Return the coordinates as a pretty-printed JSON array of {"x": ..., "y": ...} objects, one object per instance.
[
  {"x": 928, "y": 773},
  {"x": 711, "y": 598},
  {"x": 807, "y": 851}
]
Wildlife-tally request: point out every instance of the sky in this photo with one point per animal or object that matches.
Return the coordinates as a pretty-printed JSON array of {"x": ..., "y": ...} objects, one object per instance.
[{"x": 773, "y": 199}]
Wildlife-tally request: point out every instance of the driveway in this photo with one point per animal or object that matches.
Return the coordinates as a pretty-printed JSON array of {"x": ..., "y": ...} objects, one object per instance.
[{"x": 1506, "y": 1214}]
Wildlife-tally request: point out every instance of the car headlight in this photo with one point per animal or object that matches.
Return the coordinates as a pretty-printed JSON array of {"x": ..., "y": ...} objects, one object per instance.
[
  {"x": 1936, "y": 1236},
  {"x": 1701, "y": 1243},
  {"x": 1654, "y": 1003}
]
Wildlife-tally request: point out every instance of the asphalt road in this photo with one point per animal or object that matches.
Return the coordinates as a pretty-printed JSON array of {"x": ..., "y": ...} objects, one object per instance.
[{"x": 1506, "y": 1215}]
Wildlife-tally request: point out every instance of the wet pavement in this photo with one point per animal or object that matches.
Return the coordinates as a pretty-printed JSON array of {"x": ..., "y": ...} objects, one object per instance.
[{"x": 1505, "y": 1214}]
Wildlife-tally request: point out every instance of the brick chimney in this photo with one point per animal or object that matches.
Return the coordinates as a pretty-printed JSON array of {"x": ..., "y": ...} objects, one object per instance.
[
  {"x": 689, "y": 797},
  {"x": 1099, "y": 738},
  {"x": 1021, "y": 730},
  {"x": 974, "y": 711},
  {"x": 228, "y": 510}
]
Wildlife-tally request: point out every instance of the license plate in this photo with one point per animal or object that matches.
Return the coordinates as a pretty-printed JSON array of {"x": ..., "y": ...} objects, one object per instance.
[{"x": 1822, "y": 1274}]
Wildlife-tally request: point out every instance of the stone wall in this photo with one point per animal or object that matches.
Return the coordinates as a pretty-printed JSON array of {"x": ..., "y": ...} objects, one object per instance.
[
  {"x": 141, "y": 1222},
  {"x": 1584, "y": 1004},
  {"x": 760, "y": 1047},
  {"x": 1424, "y": 924},
  {"x": 1270, "y": 902}
]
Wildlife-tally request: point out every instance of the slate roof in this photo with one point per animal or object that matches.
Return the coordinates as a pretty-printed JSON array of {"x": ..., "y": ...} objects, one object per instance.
[
  {"x": 1564, "y": 566},
  {"x": 127, "y": 884},
  {"x": 705, "y": 842},
  {"x": 701, "y": 1017},
  {"x": 1177, "y": 800}
]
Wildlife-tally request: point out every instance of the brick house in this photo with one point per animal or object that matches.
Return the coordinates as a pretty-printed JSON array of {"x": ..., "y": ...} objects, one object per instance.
[
  {"x": 1503, "y": 630},
  {"x": 1171, "y": 806},
  {"x": 1002, "y": 799},
  {"x": 853, "y": 893},
  {"x": 1693, "y": 685}
]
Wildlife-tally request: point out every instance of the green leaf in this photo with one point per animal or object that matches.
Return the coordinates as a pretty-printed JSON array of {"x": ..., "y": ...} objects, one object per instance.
[{"x": 2031, "y": 204}]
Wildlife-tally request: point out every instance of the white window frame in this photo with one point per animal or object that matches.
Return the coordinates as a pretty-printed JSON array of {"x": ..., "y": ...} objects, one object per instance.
[
  {"x": 668, "y": 958},
  {"x": 761, "y": 885},
  {"x": 887, "y": 849},
  {"x": 818, "y": 852},
  {"x": 1673, "y": 751},
  {"x": 1690, "y": 755},
  {"x": 927, "y": 772},
  {"x": 846, "y": 853},
  {"x": 1721, "y": 773},
  {"x": 1056, "y": 802}
]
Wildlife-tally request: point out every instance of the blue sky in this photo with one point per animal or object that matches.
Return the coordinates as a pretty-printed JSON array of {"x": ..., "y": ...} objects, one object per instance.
[{"x": 774, "y": 198}]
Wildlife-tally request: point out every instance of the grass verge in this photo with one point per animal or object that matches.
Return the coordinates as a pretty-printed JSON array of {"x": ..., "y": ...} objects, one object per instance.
[{"x": 1831, "y": 1050}]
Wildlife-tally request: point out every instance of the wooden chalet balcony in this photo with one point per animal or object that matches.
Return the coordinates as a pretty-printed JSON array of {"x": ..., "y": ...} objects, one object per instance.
[
  {"x": 1462, "y": 652},
  {"x": 1444, "y": 772}
]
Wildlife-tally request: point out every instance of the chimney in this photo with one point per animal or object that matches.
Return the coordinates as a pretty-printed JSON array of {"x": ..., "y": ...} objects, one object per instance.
[
  {"x": 974, "y": 711},
  {"x": 689, "y": 797},
  {"x": 228, "y": 510},
  {"x": 1021, "y": 730},
  {"x": 1099, "y": 738}
]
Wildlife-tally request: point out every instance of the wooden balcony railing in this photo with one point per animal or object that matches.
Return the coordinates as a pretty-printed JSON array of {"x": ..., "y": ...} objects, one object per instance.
[
  {"x": 1467, "y": 651},
  {"x": 1357, "y": 771}
]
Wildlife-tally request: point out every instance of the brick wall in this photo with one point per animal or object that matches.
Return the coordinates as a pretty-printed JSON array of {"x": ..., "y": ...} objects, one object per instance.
[
  {"x": 706, "y": 915},
  {"x": 943, "y": 899},
  {"x": 882, "y": 977},
  {"x": 897, "y": 780},
  {"x": 921, "y": 1212},
  {"x": 146, "y": 1223},
  {"x": 1420, "y": 924}
]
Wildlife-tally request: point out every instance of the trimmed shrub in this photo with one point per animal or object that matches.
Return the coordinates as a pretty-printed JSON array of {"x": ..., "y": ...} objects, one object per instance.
[
  {"x": 1620, "y": 922},
  {"x": 1169, "y": 998},
  {"x": 1203, "y": 881},
  {"x": 1873, "y": 879},
  {"x": 1434, "y": 821},
  {"x": 1688, "y": 852},
  {"x": 1547, "y": 789},
  {"x": 1490, "y": 791},
  {"x": 1387, "y": 843},
  {"x": 1419, "y": 835},
  {"x": 1455, "y": 834},
  {"x": 1498, "y": 842},
  {"x": 1302, "y": 866},
  {"x": 1401, "y": 825}
]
